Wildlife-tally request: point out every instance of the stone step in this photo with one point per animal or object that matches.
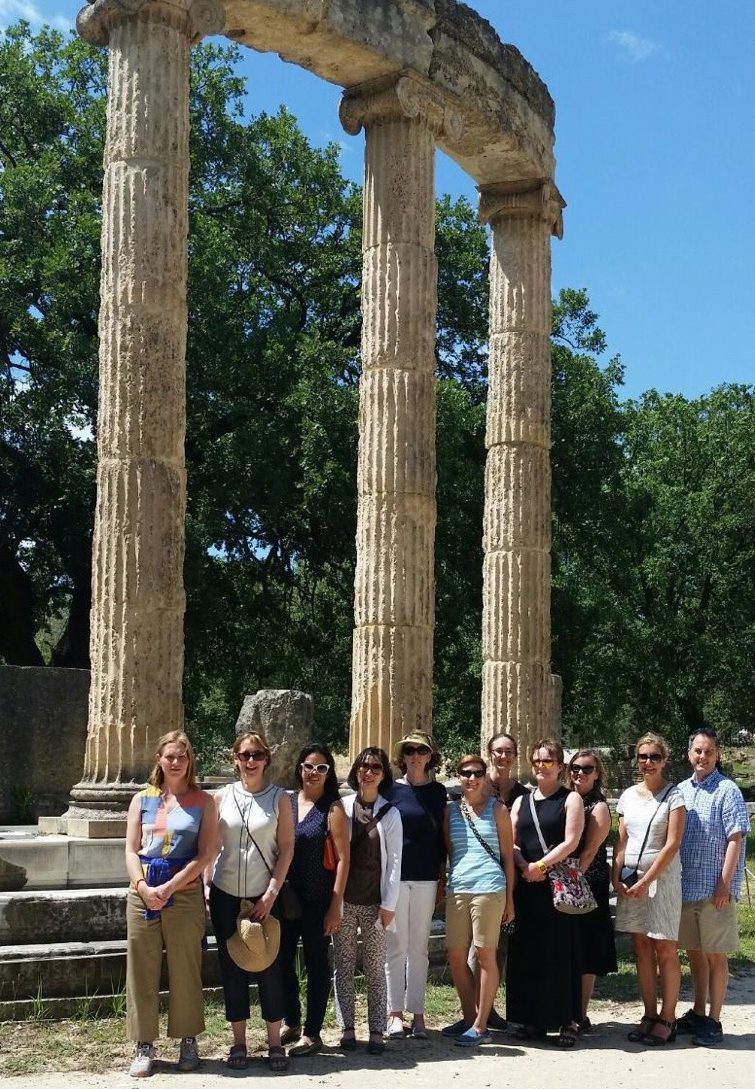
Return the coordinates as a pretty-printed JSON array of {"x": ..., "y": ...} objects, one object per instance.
[
  {"x": 63, "y": 915},
  {"x": 29, "y": 861}
]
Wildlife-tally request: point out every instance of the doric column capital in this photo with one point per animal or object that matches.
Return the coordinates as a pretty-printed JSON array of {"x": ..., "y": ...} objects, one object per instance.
[
  {"x": 509, "y": 200},
  {"x": 399, "y": 98},
  {"x": 94, "y": 22}
]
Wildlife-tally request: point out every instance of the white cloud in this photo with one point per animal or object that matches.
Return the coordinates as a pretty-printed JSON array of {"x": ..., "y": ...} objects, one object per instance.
[
  {"x": 635, "y": 47},
  {"x": 13, "y": 10}
]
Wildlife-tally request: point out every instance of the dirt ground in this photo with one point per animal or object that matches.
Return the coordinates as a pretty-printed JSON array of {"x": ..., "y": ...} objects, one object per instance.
[{"x": 603, "y": 1060}]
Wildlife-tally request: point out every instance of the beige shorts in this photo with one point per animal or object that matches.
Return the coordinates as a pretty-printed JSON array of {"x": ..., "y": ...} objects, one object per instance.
[
  {"x": 711, "y": 931},
  {"x": 474, "y": 918}
]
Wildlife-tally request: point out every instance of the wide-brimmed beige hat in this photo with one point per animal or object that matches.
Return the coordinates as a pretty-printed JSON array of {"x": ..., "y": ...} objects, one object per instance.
[
  {"x": 416, "y": 737},
  {"x": 254, "y": 945}
]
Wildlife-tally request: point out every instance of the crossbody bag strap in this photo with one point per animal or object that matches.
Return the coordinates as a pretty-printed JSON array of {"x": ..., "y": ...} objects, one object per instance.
[
  {"x": 650, "y": 823},
  {"x": 251, "y": 837},
  {"x": 464, "y": 808},
  {"x": 536, "y": 822},
  {"x": 428, "y": 814}
]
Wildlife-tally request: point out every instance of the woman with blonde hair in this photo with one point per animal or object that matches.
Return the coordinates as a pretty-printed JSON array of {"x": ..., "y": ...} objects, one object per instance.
[
  {"x": 170, "y": 835},
  {"x": 255, "y": 848},
  {"x": 647, "y": 877},
  {"x": 597, "y": 945}
]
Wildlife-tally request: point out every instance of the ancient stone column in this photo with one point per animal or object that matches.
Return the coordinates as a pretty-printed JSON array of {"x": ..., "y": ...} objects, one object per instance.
[
  {"x": 516, "y": 676},
  {"x": 392, "y": 670},
  {"x": 136, "y": 641}
]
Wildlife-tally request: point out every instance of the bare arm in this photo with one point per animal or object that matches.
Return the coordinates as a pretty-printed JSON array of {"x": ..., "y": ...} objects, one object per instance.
[
  {"x": 149, "y": 896},
  {"x": 519, "y": 862},
  {"x": 506, "y": 848},
  {"x": 575, "y": 823},
  {"x": 339, "y": 830},
  {"x": 285, "y": 837},
  {"x": 618, "y": 859},
  {"x": 215, "y": 848},
  {"x": 597, "y": 833},
  {"x": 721, "y": 893}
]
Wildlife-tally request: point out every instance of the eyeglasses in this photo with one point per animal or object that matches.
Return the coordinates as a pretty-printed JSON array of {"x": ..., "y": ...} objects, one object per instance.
[
  {"x": 503, "y": 752},
  {"x": 321, "y": 769},
  {"x": 255, "y": 755},
  {"x": 416, "y": 750},
  {"x": 653, "y": 757},
  {"x": 582, "y": 769},
  {"x": 543, "y": 763},
  {"x": 373, "y": 769},
  {"x": 471, "y": 773}
]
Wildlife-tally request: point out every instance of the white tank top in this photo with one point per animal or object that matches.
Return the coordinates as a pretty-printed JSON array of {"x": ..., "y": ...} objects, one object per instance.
[{"x": 239, "y": 870}]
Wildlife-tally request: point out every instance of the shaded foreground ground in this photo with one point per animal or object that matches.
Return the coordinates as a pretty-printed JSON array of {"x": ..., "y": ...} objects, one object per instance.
[{"x": 604, "y": 1059}]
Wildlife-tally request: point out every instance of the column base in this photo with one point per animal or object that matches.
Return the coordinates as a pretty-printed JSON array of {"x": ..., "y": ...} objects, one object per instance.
[{"x": 97, "y": 811}]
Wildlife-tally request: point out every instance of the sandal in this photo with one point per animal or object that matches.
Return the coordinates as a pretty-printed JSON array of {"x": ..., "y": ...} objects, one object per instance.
[
  {"x": 376, "y": 1044},
  {"x": 348, "y": 1040},
  {"x": 237, "y": 1058},
  {"x": 638, "y": 1034},
  {"x": 278, "y": 1060},
  {"x": 567, "y": 1036},
  {"x": 652, "y": 1039}
]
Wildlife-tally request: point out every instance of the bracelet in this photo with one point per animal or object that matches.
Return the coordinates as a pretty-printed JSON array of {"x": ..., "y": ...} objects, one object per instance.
[
  {"x": 541, "y": 866},
  {"x": 138, "y": 883}
]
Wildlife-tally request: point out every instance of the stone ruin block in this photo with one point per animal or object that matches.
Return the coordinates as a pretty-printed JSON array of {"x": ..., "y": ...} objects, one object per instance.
[{"x": 284, "y": 717}]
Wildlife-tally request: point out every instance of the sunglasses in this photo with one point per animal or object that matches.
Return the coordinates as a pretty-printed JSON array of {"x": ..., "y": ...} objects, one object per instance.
[
  {"x": 543, "y": 763},
  {"x": 416, "y": 750},
  {"x": 582, "y": 769},
  {"x": 373, "y": 769},
  {"x": 248, "y": 755},
  {"x": 653, "y": 757},
  {"x": 321, "y": 769},
  {"x": 471, "y": 773}
]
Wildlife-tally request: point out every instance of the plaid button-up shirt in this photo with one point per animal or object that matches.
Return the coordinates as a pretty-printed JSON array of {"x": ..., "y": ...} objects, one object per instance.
[{"x": 715, "y": 811}]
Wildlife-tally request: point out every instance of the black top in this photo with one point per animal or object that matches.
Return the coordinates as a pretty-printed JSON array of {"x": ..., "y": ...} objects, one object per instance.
[
  {"x": 421, "y": 809},
  {"x": 307, "y": 873},
  {"x": 599, "y": 864},
  {"x": 551, "y": 813}
]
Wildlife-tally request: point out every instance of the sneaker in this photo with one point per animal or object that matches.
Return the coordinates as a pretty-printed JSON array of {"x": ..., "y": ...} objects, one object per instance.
[
  {"x": 456, "y": 1029},
  {"x": 496, "y": 1023},
  {"x": 690, "y": 1023},
  {"x": 710, "y": 1034},
  {"x": 188, "y": 1058},
  {"x": 471, "y": 1038},
  {"x": 141, "y": 1067}
]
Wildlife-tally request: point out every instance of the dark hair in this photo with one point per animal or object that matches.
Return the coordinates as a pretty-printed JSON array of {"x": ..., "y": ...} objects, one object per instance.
[
  {"x": 552, "y": 747},
  {"x": 704, "y": 731},
  {"x": 497, "y": 737},
  {"x": 385, "y": 783},
  {"x": 595, "y": 757},
  {"x": 331, "y": 782}
]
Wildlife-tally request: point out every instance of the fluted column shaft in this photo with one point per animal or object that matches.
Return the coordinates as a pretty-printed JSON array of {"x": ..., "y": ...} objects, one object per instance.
[
  {"x": 394, "y": 584},
  {"x": 516, "y": 536},
  {"x": 136, "y": 642}
]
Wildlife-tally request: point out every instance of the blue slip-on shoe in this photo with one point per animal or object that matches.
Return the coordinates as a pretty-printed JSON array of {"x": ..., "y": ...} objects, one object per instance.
[
  {"x": 471, "y": 1038},
  {"x": 709, "y": 1035},
  {"x": 456, "y": 1029}
]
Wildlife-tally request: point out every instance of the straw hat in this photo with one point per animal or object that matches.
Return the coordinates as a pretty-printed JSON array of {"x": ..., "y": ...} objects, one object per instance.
[{"x": 254, "y": 945}]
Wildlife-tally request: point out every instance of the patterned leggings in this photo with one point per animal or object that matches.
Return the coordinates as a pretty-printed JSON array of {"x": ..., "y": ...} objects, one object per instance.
[{"x": 373, "y": 961}]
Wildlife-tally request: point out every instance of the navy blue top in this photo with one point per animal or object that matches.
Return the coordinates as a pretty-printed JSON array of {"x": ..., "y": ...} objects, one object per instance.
[
  {"x": 424, "y": 853},
  {"x": 307, "y": 873}
]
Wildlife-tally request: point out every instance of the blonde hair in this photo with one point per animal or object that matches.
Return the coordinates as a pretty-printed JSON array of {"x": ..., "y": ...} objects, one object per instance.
[
  {"x": 651, "y": 738},
  {"x": 174, "y": 737}
]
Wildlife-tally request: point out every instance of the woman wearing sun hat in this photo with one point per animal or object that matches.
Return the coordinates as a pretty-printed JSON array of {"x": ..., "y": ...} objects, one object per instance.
[{"x": 421, "y": 802}]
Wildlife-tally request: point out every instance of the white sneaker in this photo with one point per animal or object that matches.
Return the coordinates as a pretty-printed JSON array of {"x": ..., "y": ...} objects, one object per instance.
[
  {"x": 141, "y": 1067},
  {"x": 188, "y": 1058}
]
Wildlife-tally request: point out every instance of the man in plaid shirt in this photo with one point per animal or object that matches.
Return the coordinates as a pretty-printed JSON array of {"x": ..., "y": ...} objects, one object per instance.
[{"x": 713, "y": 857}]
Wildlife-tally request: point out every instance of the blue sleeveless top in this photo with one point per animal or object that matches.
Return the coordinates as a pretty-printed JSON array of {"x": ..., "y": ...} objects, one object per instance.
[{"x": 472, "y": 870}]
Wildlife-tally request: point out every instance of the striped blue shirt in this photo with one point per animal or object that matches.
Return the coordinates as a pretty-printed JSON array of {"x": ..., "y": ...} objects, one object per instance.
[
  {"x": 715, "y": 811},
  {"x": 471, "y": 868}
]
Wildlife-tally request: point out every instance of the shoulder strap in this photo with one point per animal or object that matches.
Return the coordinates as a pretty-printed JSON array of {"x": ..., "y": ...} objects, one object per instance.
[
  {"x": 536, "y": 822},
  {"x": 428, "y": 814},
  {"x": 650, "y": 822},
  {"x": 464, "y": 808}
]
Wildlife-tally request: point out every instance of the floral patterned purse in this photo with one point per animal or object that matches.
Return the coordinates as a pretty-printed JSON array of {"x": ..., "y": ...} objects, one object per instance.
[{"x": 571, "y": 893}]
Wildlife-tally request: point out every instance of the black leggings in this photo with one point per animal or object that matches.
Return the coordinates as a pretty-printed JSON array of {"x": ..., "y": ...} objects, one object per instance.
[
  {"x": 315, "y": 945},
  {"x": 224, "y": 910}
]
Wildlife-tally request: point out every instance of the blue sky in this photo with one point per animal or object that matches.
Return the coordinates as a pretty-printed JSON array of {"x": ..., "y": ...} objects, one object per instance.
[{"x": 655, "y": 147}]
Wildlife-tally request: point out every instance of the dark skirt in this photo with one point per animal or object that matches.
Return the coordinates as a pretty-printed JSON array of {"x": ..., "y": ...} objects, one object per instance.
[{"x": 597, "y": 948}]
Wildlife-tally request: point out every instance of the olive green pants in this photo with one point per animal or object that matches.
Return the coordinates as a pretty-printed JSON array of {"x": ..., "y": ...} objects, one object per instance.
[{"x": 179, "y": 930}]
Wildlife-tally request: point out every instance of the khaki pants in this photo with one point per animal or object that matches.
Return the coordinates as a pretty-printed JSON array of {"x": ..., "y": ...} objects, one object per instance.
[{"x": 179, "y": 929}]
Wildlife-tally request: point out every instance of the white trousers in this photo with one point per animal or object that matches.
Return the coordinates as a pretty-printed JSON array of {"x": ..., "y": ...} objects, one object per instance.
[{"x": 406, "y": 958}]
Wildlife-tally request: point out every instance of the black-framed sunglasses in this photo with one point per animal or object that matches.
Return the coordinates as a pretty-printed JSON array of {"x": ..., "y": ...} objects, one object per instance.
[
  {"x": 374, "y": 769},
  {"x": 471, "y": 773},
  {"x": 653, "y": 757},
  {"x": 252, "y": 754},
  {"x": 416, "y": 750},
  {"x": 582, "y": 769},
  {"x": 321, "y": 769}
]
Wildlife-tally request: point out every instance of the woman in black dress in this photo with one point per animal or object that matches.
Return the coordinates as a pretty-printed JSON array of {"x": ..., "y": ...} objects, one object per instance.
[
  {"x": 597, "y": 945},
  {"x": 543, "y": 972}
]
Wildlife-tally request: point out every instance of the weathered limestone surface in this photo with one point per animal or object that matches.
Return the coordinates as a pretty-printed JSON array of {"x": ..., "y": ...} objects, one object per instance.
[
  {"x": 506, "y": 109},
  {"x": 284, "y": 717},
  {"x": 394, "y": 584},
  {"x": 138, "y": 596},
  {"x": 516, "y": 678}
]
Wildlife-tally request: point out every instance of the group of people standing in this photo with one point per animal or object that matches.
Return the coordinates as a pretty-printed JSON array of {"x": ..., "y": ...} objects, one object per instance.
[{"x": 281, "y": 867}]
